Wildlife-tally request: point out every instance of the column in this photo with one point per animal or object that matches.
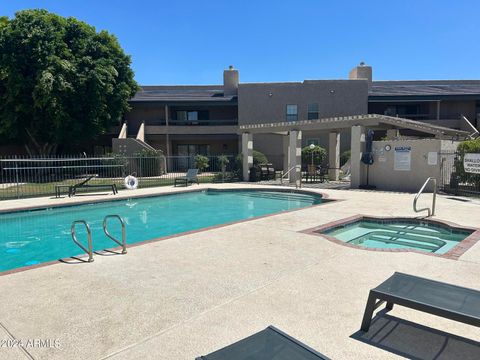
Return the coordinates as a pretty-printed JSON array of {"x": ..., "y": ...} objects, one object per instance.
[
  {"x": 333, "y": 155},
  {"x": 247, "y": 155},
  {"x": 295, "y": 156},
  {"x": 357, "y": 148},
  {"x": 167, "y": 141},
  {"x": 286, "y": 152}
]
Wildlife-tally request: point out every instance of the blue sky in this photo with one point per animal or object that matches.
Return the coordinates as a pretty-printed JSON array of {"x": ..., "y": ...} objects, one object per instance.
[{"x": 191, "y": 42}]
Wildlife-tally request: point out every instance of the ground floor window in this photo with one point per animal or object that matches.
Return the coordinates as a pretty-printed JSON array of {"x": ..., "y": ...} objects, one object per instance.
[
  {"x": 193, "y": 149},
  {"x": 313, "y": 141}
]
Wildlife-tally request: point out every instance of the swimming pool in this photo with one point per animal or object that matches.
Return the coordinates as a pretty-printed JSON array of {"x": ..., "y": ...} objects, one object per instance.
[
  {"x": 33, "y": 237},
  {"x": 399, "y": 234}
]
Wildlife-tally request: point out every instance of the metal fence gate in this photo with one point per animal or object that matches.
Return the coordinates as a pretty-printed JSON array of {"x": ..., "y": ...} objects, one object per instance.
[{"x": 453, "y": 180}]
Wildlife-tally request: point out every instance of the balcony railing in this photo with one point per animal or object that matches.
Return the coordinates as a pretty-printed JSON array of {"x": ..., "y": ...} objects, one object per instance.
[
  {"x": 171, "y": 122},
  {"x": 431, "y": 116},
  {"x": 203, "y": 122}
]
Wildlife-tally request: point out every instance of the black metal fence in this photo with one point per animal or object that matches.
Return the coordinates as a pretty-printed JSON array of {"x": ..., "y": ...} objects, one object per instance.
[
  {"x": 453, "y": 179},
  {"x": 22, "y": 177}
]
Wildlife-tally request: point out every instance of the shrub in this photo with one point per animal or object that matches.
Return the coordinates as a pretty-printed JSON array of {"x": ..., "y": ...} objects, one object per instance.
[
  {"x": 148, "y": 163},
  {"x": 259, "y": 158},
  {"x": 201, "y": 162},
  {"x": 223, "y": 161},
  {"x": 319, "y": 155},
  {"x": 344, "y": 157},
  {"x": 469, "y": 146}
]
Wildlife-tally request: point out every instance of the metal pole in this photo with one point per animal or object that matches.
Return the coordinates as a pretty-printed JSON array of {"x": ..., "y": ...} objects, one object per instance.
[{"x": 16, "y": 176}]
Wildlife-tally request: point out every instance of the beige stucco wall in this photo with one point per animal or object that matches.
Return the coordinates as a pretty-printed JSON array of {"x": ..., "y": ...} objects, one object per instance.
[
  {"x": 266, "y": 102},
  {"x": 385, "y": 177}
]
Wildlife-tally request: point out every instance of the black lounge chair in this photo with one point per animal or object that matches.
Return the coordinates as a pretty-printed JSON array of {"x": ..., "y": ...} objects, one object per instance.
[
  {"x": 433, "y": 297},
  {"x": 72, "y": 190},
  {"x": 268, "y": 344},
  {"x": 191, "y": 177}
]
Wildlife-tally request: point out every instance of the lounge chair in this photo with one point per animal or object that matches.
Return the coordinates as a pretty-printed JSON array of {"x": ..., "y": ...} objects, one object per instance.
[
  {"x": 191, "y": 177},
  {"x": 268, "y": 344},
  {"x": 72, "y": 190},
  {"x": 433, "y": 297}
]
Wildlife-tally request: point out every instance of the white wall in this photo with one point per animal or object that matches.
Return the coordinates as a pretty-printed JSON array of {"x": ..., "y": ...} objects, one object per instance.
[{"x": 384, "y": 176}]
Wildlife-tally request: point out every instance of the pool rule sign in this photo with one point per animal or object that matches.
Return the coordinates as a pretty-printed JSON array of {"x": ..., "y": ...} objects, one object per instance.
[
  {"x": 403, "y": 158},
  {"x": 471, "y": 163}
]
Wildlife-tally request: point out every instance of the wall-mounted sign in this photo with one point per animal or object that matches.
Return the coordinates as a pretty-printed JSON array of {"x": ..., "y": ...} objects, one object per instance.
[
  {"x": 432, "y": 158},
  {"x": 471, "y": 163},
  {"x": 403, "y": 158}
]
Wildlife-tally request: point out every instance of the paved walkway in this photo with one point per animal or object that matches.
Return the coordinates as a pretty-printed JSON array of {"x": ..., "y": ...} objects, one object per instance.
[{"x": 190, "y": 295}]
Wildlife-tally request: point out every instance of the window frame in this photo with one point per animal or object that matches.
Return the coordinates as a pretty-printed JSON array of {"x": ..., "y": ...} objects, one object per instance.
[
  {"x": 291, "y": 117},
  {"x": 309, "y": 112}
]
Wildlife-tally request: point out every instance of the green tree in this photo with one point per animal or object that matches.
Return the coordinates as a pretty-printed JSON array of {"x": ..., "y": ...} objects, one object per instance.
[
  {"x": 61, "y": 82},
  {"x": 319, "y": 155}
]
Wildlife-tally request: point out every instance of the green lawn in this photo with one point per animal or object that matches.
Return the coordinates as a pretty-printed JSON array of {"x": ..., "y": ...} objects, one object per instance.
[{"x": 45, "y": 189}]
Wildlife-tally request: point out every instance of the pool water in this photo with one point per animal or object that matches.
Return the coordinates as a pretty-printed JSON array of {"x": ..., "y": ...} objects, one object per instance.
[
  {"x": 421, "y": 236},
  {"x": 32, "y": 237}
]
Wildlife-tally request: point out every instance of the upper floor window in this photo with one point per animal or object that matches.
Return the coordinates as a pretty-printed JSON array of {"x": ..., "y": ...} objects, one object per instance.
[
  {"x": 187, "y": 115},
  {"x": 312, "y": 111},
  {"x": 292, "y": 112},
  {"x": 190, "y": 117}
]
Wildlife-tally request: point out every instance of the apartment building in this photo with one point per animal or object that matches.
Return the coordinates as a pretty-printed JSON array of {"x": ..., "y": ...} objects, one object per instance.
[{"x": 205, "y": 119}]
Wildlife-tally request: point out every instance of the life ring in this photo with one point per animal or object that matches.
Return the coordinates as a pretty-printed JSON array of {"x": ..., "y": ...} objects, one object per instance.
[{"x": 131, "y": 182}]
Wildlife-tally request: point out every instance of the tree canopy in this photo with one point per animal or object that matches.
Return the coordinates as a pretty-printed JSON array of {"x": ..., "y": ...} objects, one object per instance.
[{"x": 61, "y": 81}]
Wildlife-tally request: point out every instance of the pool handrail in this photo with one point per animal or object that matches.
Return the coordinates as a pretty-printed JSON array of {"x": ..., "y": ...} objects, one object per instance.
[
  {"x": 431, "y": 211},
  {"x": 89, "y": 251},
  {"x": 122, "y": 243}
]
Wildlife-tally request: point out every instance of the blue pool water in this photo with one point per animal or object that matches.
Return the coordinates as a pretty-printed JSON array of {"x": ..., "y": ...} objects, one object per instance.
[
  {"x": 32, "y": 237},
  {"x": 400, "y": 234}
]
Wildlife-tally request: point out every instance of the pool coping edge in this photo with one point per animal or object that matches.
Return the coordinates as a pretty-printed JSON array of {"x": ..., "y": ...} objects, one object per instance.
[{"x": 453, "y": 254}]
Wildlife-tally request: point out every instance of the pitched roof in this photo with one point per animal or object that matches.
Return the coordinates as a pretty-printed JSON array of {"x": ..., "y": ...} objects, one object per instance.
[
  {"x": 429, "y": 88},
  {"x": 345, "y": 122}
]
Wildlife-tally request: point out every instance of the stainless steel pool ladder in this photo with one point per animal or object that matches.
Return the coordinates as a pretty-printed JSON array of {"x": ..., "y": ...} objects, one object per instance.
[
  {"x": 431, "y": 211},
  {"x": 89, "y": 251},
  {"x": 122, "y": 243}
]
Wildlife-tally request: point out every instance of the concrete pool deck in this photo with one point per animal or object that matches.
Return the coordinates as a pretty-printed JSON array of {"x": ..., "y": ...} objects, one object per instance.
[{"x": 192, "y": 294}]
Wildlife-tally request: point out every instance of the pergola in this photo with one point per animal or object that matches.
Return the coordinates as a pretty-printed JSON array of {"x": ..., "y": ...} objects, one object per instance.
[{"x": 358, "y": 125}]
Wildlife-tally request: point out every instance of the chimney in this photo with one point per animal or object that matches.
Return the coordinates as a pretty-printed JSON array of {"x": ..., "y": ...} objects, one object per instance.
[
  {"x": 361, "y": 71},
  {"x": 230, "y": 81}
]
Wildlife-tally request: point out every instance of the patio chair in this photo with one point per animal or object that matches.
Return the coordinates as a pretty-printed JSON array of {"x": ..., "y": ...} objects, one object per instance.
[
  {"x": 433, "y": 297},
  {"x": 72, "y": 190},
  {"x": 268, "y": 344},
  {"x": 323, "y": 173},
  {"x": 191, "y": 177}
]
